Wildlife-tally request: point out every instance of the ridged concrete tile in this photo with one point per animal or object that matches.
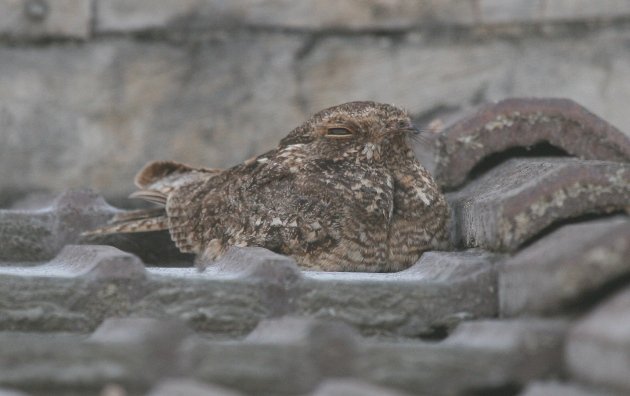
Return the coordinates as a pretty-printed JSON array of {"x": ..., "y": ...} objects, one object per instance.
[
  {"x": 39, "y": 234},
  {"x": 138, "y": 353},
  {"x": 565, "y": 267},
  {"x": 249, "y": 285},
  {"x": 436, "y": 292},
  {"x": 257, "y": 264},
  {"x": 511, "y": 203},
  {"x": 268, "y": 363},
  {"x": 598, "y": 346},
  {"x": 471, "y": 362},
  {"x": 332, "y": 345},
  {"x": 35, "y": 298},
  {"x": 64, "y": 363},
  {"x": 479, "y": 358},
  {"x": 74, "y": 291},
  {"x": 524, "y": 123},
  {"x": 140, "y": 330},
  {"x": 156, "y": 341},
  {"x": 93, "y": 262}
]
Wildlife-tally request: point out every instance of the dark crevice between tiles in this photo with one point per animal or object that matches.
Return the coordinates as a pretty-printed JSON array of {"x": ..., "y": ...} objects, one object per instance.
[
  {"x": 542, "y": 149},
  {"x": 436, "y": 333},
  {"x": 154, "y": 248},
  {"x": 443, "y": 328},
  {"x": 590, "y": 299},
  {"x": 564, "y": 222}
]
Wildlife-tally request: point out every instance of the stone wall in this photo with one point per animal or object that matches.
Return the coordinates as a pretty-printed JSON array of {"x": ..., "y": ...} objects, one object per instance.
[{"x": 92, "y": 89}]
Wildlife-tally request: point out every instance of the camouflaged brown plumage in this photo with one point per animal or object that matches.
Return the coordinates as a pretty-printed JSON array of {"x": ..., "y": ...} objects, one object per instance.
[{"x": 342, "y": 192}]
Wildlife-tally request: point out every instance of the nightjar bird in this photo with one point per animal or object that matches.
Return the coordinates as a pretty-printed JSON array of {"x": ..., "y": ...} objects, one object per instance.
[{"x": 341, "y": 192}]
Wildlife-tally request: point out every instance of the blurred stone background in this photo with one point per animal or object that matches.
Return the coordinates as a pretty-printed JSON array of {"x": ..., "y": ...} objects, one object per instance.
[{"x": 92, "y": 89}]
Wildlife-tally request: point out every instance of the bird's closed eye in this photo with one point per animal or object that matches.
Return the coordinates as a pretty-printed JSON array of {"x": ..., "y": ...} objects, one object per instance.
[{"x": 338, "y": 132}]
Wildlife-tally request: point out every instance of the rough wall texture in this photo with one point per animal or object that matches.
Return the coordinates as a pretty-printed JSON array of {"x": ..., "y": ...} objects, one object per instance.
[{"x": 92, "y": 89}]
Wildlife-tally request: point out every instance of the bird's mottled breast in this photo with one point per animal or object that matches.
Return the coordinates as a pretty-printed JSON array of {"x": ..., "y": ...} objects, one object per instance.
[
  {"x": 361, "y": 188},
  {"x": 316, "y": 196}
]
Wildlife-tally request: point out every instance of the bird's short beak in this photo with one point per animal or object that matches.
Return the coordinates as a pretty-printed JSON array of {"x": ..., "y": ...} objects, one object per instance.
[
  {"x": 414, "y": 130},
  {"x": 411, "y": 130}
]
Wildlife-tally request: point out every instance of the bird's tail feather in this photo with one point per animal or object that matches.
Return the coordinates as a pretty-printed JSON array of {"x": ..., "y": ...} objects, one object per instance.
[
  {"x": 145, "y": 220},
  {"x": 157, "y": 181}
]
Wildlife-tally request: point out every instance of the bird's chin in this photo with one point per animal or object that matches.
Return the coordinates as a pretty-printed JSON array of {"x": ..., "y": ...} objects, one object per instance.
[{"x": 394, "y": 139}]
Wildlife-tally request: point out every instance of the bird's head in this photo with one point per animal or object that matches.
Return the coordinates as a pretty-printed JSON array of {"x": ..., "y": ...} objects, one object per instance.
[{"x": 355, "y": 130}]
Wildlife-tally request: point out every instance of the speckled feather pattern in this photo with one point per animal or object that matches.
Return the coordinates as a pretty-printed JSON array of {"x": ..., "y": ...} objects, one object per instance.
[{"x": 359, "y": 201}]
